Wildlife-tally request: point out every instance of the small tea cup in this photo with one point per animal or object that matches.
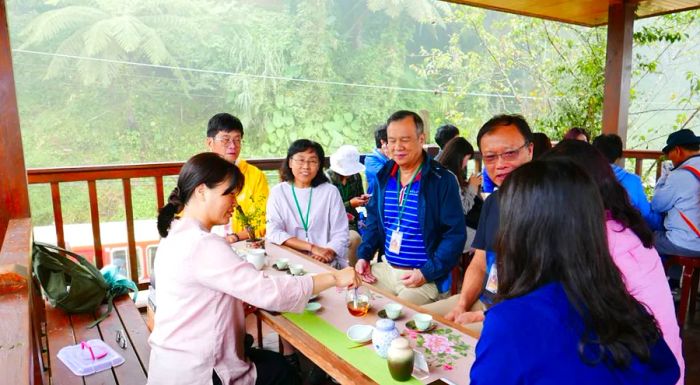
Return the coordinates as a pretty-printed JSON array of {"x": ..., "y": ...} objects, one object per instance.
[
  {"x": 393, "y": 310},
  {"x": 296, "y": 269},
  {"x": 282, "y": 263},
  {"x": 422, "y": 321},
  {"x": 256, "y": 258}
]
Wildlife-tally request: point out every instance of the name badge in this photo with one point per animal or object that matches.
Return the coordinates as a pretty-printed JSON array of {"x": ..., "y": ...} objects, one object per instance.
[
  {"x": 395, "y": 242},
  {"x": 492, "y": 282}
]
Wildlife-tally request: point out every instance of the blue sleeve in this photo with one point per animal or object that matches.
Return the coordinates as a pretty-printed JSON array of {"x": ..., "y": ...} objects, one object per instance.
[
  {"x": 639, "y": 200},
  {"x": 497, "y": 358},
  {"x": 453, "y": 232},
  {"x": 479, "y": 241},
  {"x": 373, "y": 233},
  {"x": 488, "y": 185}
]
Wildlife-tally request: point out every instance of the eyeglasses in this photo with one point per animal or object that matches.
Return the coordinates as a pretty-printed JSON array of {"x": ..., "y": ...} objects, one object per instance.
[
  {"x": 121, "y": 339},
  {"x": 227, "y": 141},
  {"x": 507, "y": 155},
  {"x": 310, "y": 162}
]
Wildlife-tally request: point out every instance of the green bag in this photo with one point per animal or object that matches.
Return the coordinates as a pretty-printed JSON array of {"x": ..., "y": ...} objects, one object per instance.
[{"x": 72, "y": 287}]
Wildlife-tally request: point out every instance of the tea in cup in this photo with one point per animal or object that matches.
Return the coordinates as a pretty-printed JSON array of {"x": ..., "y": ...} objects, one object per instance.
[
  {"x": 282, "y": 263},
  {"x": 257, "y": 258},
  {"x": 422, "y": 321},
  {"x": 296, "y": 269},
  {"x": 393, "y": 310}
]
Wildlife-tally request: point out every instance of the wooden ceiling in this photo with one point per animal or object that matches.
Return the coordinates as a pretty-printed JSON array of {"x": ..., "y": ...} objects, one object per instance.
[{"x": 590, "y": 13}]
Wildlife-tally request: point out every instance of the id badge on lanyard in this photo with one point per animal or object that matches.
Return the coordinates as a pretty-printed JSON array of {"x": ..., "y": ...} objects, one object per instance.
[{"x": 395, "y": 242}]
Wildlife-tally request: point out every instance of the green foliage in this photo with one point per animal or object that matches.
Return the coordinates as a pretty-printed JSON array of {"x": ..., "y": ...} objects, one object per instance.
[{"x": 131, "y": 81}]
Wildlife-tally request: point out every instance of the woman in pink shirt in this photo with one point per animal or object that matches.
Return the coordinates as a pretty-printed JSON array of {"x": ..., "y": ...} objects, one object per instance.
[
  {"x": 630, "y": 241},
  {"x": 199, "y": 329}
]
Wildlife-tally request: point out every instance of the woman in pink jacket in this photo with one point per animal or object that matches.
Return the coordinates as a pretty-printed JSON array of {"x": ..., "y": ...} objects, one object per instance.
[
  {"x": 199, "y": 329},
  {"x": 630, "y": 241}
]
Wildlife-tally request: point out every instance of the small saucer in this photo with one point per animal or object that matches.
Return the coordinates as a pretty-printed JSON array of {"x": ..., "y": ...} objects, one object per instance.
[
  {"x": 312, "y": 307},
  {"x": 296, "y": 275},
  {"x": 412, "y": 326},
  {"x": 274, "y": 266},
  {"x": 382, "y": 314}
]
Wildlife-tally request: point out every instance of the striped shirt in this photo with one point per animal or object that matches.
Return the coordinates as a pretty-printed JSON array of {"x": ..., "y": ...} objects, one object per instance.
[{"x": 412, "y": 252}]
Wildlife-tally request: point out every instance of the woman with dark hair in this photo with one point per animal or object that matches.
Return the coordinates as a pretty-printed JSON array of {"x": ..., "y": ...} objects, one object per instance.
[
  {"x": 200, "y": 326},
  {"x": 541, "y": 144},
  {"x": 630, "y": 241},
  {"x": 563, "y": 316},
  {"x": 305, "y": 211},
  {"x": 454, "y": 157},
  {"x": 577, "y": 133}
]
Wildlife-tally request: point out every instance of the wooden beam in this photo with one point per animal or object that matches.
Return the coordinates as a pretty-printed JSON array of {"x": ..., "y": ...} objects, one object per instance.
[
  {"x": 14, "y": 196},
  {"x": 618, "y": 68}
]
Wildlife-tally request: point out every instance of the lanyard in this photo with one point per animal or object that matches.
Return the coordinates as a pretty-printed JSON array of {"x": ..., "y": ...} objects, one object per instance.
[
  {"x": 304, "y": 221},
  {"x": 403, "y": 193}
]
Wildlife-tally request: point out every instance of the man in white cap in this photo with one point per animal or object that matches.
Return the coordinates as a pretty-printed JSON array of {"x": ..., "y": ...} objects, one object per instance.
[
  {"x": 344, "y": 174},
  {"x": 677, "y": 194}
]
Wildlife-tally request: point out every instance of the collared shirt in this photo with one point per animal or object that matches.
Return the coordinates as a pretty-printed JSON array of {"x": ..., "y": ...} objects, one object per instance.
[
  {"x": 412, "y": 253},
  {"x": 200, "y": 324}
]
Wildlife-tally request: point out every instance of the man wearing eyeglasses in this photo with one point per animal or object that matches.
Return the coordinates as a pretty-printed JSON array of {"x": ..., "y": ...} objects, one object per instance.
[
  {"x": 225, "y": 137},
  {"x": 505, "y": 145},
  {"x": 416, "y": 214}
]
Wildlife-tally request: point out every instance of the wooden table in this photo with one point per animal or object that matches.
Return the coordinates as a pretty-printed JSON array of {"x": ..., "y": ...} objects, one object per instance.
[
  {"x": 326, "y": 359},
  {"x": 63, "y": 330}
]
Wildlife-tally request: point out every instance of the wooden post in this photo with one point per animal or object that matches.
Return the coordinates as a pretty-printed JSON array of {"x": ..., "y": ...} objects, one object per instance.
[
  {"x": 618, "y": 68},
  {"x": 14, "y": 196}
]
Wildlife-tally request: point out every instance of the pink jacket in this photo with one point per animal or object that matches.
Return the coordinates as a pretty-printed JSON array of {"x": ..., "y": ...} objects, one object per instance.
[
  {"x": 199, "y": 323},
  {"x": 645, "y": 279}
]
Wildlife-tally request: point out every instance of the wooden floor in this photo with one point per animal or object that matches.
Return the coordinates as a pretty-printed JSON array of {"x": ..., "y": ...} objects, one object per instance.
[{"x": 691, "y": 347}]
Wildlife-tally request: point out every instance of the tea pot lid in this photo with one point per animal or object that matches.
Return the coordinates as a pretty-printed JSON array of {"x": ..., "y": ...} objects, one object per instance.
[{"x": 385, "y": 324}]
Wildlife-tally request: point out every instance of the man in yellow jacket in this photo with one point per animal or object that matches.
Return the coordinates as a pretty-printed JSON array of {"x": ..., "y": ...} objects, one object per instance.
[{"x": 225, "y": 137}]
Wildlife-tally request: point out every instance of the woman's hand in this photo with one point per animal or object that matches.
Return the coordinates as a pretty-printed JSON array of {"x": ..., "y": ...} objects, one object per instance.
[
  {"x": 475, "y": 181},
  {"x": 359, "y": 201},
  {"x": 347, "y": 277}
]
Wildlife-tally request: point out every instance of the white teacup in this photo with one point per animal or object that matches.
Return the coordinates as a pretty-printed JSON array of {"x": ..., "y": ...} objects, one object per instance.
[
  {"x": 393, "y": 310},
  {"x": 296, "y": 269},
  {"x": 257, "y": 258},
  {"x": 422, "y": 321},
  {"x": 282, "y": 263}
]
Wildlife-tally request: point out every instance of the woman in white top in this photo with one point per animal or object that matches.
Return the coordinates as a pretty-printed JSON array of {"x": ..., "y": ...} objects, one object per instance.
[
  {"x": 199, "y": 330},
  {"x": 305, "y": 211}
]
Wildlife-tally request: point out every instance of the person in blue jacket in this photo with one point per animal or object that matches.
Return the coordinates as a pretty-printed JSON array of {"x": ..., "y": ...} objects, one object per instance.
[
  {"x": 563, "y": 315},
  {"x": 416, "y": 214},
  {"x": 610, "y": 145},
  {"x": 377, "y": 159}
]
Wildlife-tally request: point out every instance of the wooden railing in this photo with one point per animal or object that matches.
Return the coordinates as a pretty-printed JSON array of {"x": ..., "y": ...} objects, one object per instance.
[{"x": 125, "y": 173}]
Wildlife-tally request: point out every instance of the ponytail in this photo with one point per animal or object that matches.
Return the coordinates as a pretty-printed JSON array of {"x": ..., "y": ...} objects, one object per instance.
[{"x": 167, "y": 213}]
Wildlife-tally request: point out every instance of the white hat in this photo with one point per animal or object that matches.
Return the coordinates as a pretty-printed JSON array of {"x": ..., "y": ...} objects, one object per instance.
[{"x": 346, "y": 161}]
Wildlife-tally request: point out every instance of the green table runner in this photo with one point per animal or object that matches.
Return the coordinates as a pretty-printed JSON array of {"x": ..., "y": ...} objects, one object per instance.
[{"x": 368, "y": 363}]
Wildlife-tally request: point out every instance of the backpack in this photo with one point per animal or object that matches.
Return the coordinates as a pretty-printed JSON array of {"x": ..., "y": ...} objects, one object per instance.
[{"x": 76, "y": 287}]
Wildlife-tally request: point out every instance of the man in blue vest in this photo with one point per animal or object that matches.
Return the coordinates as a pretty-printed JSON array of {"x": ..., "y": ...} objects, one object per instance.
[
  {"x": 677, "y": 194},
  {"x": 416, "y": 214}
]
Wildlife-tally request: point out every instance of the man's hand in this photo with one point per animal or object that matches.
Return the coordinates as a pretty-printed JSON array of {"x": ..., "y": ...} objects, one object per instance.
[
  {"x": 470, "y": 317},
  {"x": 414, "y": 278},
  {"x": 363, "y": 268},
  {"x": 456, "y": 311},
  {"x": 322, "y": 254},
  {"x": 346, "y": 278}
]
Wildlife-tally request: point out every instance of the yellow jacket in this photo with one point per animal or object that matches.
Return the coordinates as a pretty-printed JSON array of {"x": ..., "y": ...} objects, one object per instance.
[{"x": 256, "y": 187}]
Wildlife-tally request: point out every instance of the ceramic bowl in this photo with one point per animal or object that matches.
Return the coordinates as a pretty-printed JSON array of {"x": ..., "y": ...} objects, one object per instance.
[{"x": 360, "y": 333}]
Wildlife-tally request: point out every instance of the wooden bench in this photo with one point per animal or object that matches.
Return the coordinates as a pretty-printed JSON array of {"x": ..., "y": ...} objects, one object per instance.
[{"x": 63, "y": 330}]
